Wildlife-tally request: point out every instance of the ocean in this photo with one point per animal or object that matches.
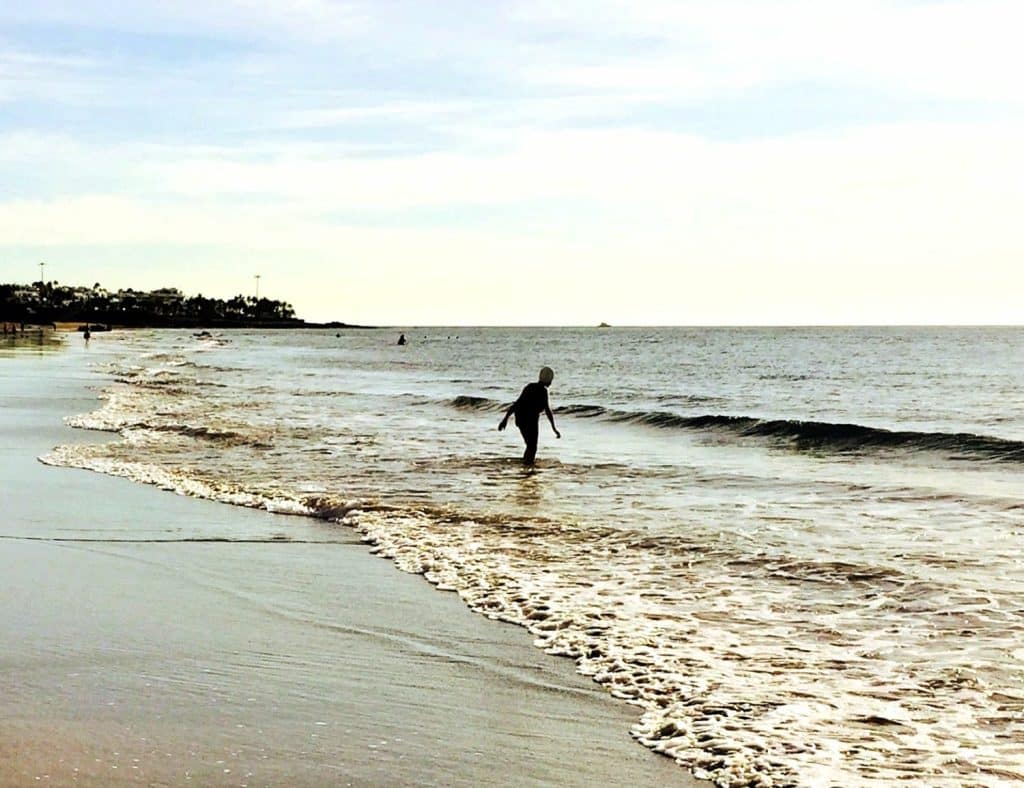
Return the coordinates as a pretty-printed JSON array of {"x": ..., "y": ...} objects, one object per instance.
[{"x": 797, "y": 551}]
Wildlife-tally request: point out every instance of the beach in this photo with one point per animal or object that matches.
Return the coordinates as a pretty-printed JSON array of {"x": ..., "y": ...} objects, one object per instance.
[
  {"x": 156, "y": 639},
  {"x": 777, "y": 556}
]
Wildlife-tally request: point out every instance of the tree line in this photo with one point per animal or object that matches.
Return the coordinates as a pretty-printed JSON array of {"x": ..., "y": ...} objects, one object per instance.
[{"x": 51, "y": 302}]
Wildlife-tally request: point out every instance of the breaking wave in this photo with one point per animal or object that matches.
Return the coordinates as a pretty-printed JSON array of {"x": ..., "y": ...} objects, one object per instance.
[
  {"x": 840, "y": 437},
  {"x": 800, "y": 435},
  {"x": 466, "y": 402}
]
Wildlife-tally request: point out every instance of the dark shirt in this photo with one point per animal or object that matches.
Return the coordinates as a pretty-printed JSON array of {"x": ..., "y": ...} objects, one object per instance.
[{"x": 532, "y": 402}]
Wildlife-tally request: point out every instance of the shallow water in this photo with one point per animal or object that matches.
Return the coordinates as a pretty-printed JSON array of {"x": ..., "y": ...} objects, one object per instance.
[{"x": 797, "y": 551}]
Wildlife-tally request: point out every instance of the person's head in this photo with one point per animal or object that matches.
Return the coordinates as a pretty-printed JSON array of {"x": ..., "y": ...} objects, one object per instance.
[{"x": 546, "y": 376}]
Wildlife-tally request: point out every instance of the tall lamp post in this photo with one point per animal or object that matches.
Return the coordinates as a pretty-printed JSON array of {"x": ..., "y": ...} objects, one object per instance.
[{"x": 42, "y": 289}]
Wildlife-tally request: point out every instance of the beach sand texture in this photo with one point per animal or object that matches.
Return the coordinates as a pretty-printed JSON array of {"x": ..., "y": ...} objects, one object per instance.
[{"x": 153, "y": 639}]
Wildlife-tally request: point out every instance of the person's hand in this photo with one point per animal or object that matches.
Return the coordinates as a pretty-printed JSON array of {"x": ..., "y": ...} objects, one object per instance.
[
  {"x": 558, "y": 434},
  {"x": 502, "y": 424}
]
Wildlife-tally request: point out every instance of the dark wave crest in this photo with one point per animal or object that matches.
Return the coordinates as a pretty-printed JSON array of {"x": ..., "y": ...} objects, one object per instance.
[
  {"x": 465, "y": 402},
  {"x": 847, "y": 438},
  {"x": 841, "y": 438},
  {"x": 582, "y": 411},
  {"x": 213, "y": 435},
  {"x": 800, "y": 435}
]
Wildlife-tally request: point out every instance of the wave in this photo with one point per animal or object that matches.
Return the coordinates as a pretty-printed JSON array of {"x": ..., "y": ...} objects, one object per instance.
[
  {"x": 465, "y": 402},
  {"x": 839, "y": 437},
  {"x": 214, "y": 435},
  {"x": 842, "y": 438},
  {"x": 583, "y": 411},
  {"x": 100, "y": 422},
  {"x": 167, "y": 381}
]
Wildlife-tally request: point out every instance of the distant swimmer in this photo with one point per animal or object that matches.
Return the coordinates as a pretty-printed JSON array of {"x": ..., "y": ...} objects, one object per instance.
[
  {"x": 401, "y": 339},
  {"x": 527, "y": 409},
  {"x": 87, "y": 334}
]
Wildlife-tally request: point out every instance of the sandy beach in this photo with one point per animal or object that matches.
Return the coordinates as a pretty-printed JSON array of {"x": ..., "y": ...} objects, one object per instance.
[{"x": 154, "y": 639}]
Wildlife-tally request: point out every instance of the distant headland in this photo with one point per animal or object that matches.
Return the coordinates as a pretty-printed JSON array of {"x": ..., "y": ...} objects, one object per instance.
[{"x": 51, "y": 302}]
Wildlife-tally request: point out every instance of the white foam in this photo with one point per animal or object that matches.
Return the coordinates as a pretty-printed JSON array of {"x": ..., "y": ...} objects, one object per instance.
[
  {"x": 90, "y": 457},
  {"x": 732, "y": 710}
]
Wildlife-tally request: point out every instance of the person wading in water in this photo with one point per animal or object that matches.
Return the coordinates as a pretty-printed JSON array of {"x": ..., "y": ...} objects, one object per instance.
[{"x": 527, "y": 409}]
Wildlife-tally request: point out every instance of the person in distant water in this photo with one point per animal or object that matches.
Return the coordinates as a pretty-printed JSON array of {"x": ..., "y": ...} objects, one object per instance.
[
  {"x": 87, "y": 334},
  {"x": 401, "y": 339},
  {"x": 527, "y": 409}
]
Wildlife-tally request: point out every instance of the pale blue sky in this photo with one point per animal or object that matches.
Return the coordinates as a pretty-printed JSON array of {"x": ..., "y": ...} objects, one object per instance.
[{"x": 683, "y": 162}]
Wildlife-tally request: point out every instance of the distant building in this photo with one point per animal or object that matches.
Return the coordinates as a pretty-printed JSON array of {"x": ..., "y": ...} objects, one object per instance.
[{"x": 166, "y": 295}]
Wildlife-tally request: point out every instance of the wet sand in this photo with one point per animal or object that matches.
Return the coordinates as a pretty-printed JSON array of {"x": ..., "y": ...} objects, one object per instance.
[{"x": 154, "y": 639}]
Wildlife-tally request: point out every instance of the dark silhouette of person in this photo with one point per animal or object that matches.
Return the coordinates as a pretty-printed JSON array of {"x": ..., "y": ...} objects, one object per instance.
[
  {"x": 401, "y": 339},
  {"x": 527, "y": 409}
]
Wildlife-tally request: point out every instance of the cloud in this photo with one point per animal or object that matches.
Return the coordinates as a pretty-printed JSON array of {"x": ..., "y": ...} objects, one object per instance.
[
  {"x": 393, "y": 145},
  {"x": 315, "y": 20},
  {"x": 28, "y": 75},
  {"x": 946, "y": 50},
  {"x": 629, "y": 166},
  {"x": 913, "y": 193}
]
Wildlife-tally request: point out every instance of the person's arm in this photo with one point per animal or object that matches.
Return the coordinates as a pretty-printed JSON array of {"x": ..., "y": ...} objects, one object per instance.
[
  {"x": 551, "y": 418},
  {"x": 504, "y": 422}
]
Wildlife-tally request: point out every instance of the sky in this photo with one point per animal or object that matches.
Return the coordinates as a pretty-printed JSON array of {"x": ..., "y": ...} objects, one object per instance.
[{"x": 637, "y": 162}]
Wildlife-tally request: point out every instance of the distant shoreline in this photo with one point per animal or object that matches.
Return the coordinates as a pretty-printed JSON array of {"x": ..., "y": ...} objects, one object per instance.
[
  {"x": 72, "y": 326},
  {"x": 98, "y": 309}
]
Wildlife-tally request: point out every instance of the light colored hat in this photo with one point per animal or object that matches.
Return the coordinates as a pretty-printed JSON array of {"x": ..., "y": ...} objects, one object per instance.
[{"x": 546, "y": 374}]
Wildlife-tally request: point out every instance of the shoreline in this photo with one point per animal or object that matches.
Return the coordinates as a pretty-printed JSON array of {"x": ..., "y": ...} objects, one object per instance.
[
  {"x": 282, "y": 652},
  {"x": 73, "y": 326}
]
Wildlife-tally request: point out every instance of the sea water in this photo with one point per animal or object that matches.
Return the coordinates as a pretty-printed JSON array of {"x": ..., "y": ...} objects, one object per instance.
[{"x": 797, "y": 551}]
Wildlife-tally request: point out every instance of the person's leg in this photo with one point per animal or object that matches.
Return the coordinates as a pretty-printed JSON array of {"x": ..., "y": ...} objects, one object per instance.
[{"x": 529, "y": 432}]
